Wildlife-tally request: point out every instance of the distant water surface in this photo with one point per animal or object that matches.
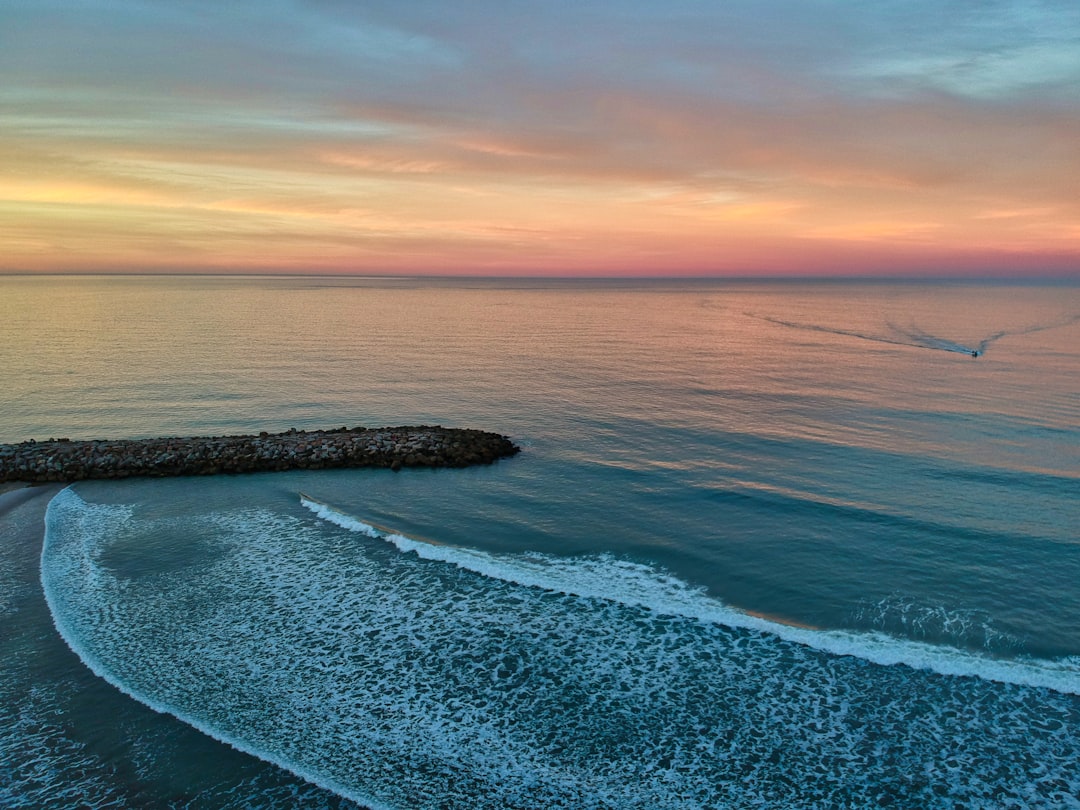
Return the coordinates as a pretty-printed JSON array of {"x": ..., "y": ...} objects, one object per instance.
[{"x": 768, "y": 545}]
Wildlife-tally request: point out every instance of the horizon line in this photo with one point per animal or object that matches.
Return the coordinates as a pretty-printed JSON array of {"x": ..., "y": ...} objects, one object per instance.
[{"x": 1073, "y": 277}]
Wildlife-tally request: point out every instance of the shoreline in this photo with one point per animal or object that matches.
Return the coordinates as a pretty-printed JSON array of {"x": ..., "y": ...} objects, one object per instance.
[
  {"x": 14, "y": 494},
  {"x": 100, "y": 742},
  {"x": 64, "y": 460}
]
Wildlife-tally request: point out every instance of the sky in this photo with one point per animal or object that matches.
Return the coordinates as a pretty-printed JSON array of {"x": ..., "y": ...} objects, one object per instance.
[{"x": 565, "y": 137}]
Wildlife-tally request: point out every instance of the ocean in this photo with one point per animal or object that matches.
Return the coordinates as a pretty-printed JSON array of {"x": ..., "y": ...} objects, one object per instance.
[{"x": 768, "y": 544}]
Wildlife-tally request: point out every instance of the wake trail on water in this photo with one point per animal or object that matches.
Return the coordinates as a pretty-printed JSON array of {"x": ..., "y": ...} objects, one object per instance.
[
  {"x": 1028, "y": 331},
  {"x": 641, "y": 586},
  {"x": 919, "y": 338}
]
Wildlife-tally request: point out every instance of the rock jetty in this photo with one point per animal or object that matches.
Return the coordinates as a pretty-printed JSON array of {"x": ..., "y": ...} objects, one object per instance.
[{"x": 390, "y": 447}]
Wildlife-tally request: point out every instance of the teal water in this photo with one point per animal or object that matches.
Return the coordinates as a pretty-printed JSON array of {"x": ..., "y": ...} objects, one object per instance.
[{"x": 767, "y": 545}]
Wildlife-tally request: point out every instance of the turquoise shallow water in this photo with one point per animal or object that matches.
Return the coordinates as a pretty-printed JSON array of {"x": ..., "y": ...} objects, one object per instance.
[{"x": 768, "y": 544}]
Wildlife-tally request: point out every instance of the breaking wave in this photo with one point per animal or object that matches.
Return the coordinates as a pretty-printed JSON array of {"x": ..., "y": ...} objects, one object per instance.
[
  {"x": 637, "y": 585},
  {"x": 402, "y": 674}
]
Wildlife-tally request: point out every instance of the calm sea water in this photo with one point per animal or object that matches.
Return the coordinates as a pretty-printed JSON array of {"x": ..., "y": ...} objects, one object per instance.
[{"x": 767, "y": 545}]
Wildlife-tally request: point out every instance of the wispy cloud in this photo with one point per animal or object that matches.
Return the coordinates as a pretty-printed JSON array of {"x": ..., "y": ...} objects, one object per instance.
[{"x": 777, "y": 136}]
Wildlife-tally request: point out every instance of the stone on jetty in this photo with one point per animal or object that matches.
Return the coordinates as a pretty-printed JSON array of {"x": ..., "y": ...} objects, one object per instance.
[{"x": 390, "y": 447}]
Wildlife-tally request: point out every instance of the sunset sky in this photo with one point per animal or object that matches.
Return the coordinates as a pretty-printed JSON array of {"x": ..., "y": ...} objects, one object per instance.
[{"x": 584, "y": 137}]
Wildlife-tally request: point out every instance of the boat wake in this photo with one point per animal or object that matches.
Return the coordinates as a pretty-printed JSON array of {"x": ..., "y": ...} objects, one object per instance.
[{"x": 918, "y": 338}]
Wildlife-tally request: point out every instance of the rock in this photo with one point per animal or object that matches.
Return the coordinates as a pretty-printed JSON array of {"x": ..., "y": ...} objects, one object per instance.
[{"x": 66, "y": 460}]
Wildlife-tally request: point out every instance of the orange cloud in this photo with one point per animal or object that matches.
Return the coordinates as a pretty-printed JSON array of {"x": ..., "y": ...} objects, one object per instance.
[{"x": 575, "y": 140}]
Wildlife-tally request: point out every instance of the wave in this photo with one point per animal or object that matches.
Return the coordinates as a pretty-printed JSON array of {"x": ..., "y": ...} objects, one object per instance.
[
  {"x": 637, "y": 585},
  {"x": 66, "y": 505},
  {"x": 392, "y": 673}
]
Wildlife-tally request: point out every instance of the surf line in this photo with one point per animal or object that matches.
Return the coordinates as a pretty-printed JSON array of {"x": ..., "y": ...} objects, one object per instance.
[
  {"x": 638, "y": 585},
  {"x": 336, "y": 516}
]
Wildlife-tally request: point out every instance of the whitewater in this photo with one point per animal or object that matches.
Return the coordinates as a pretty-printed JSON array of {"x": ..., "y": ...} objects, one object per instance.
[{"x": 445, "y": 676}]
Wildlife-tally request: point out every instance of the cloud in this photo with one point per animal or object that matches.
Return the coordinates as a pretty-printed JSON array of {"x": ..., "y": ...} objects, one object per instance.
[{"x": 756, "y": 124}]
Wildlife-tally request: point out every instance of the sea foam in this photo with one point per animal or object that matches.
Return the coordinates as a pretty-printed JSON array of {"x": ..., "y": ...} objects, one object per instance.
[
  {"x": 638, "y": 585},
  {"x": 453, "y": 678}
]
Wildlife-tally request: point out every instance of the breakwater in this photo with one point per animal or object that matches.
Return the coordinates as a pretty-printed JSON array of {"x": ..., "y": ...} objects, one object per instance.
[{"x": 64, "y": 460}]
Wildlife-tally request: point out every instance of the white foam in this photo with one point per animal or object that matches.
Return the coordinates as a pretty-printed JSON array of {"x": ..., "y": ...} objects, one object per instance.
[
  {"x": 633, "y": 584},
  {"x": 431, "y": 685},
  {"x": 68, "y": 505}
]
